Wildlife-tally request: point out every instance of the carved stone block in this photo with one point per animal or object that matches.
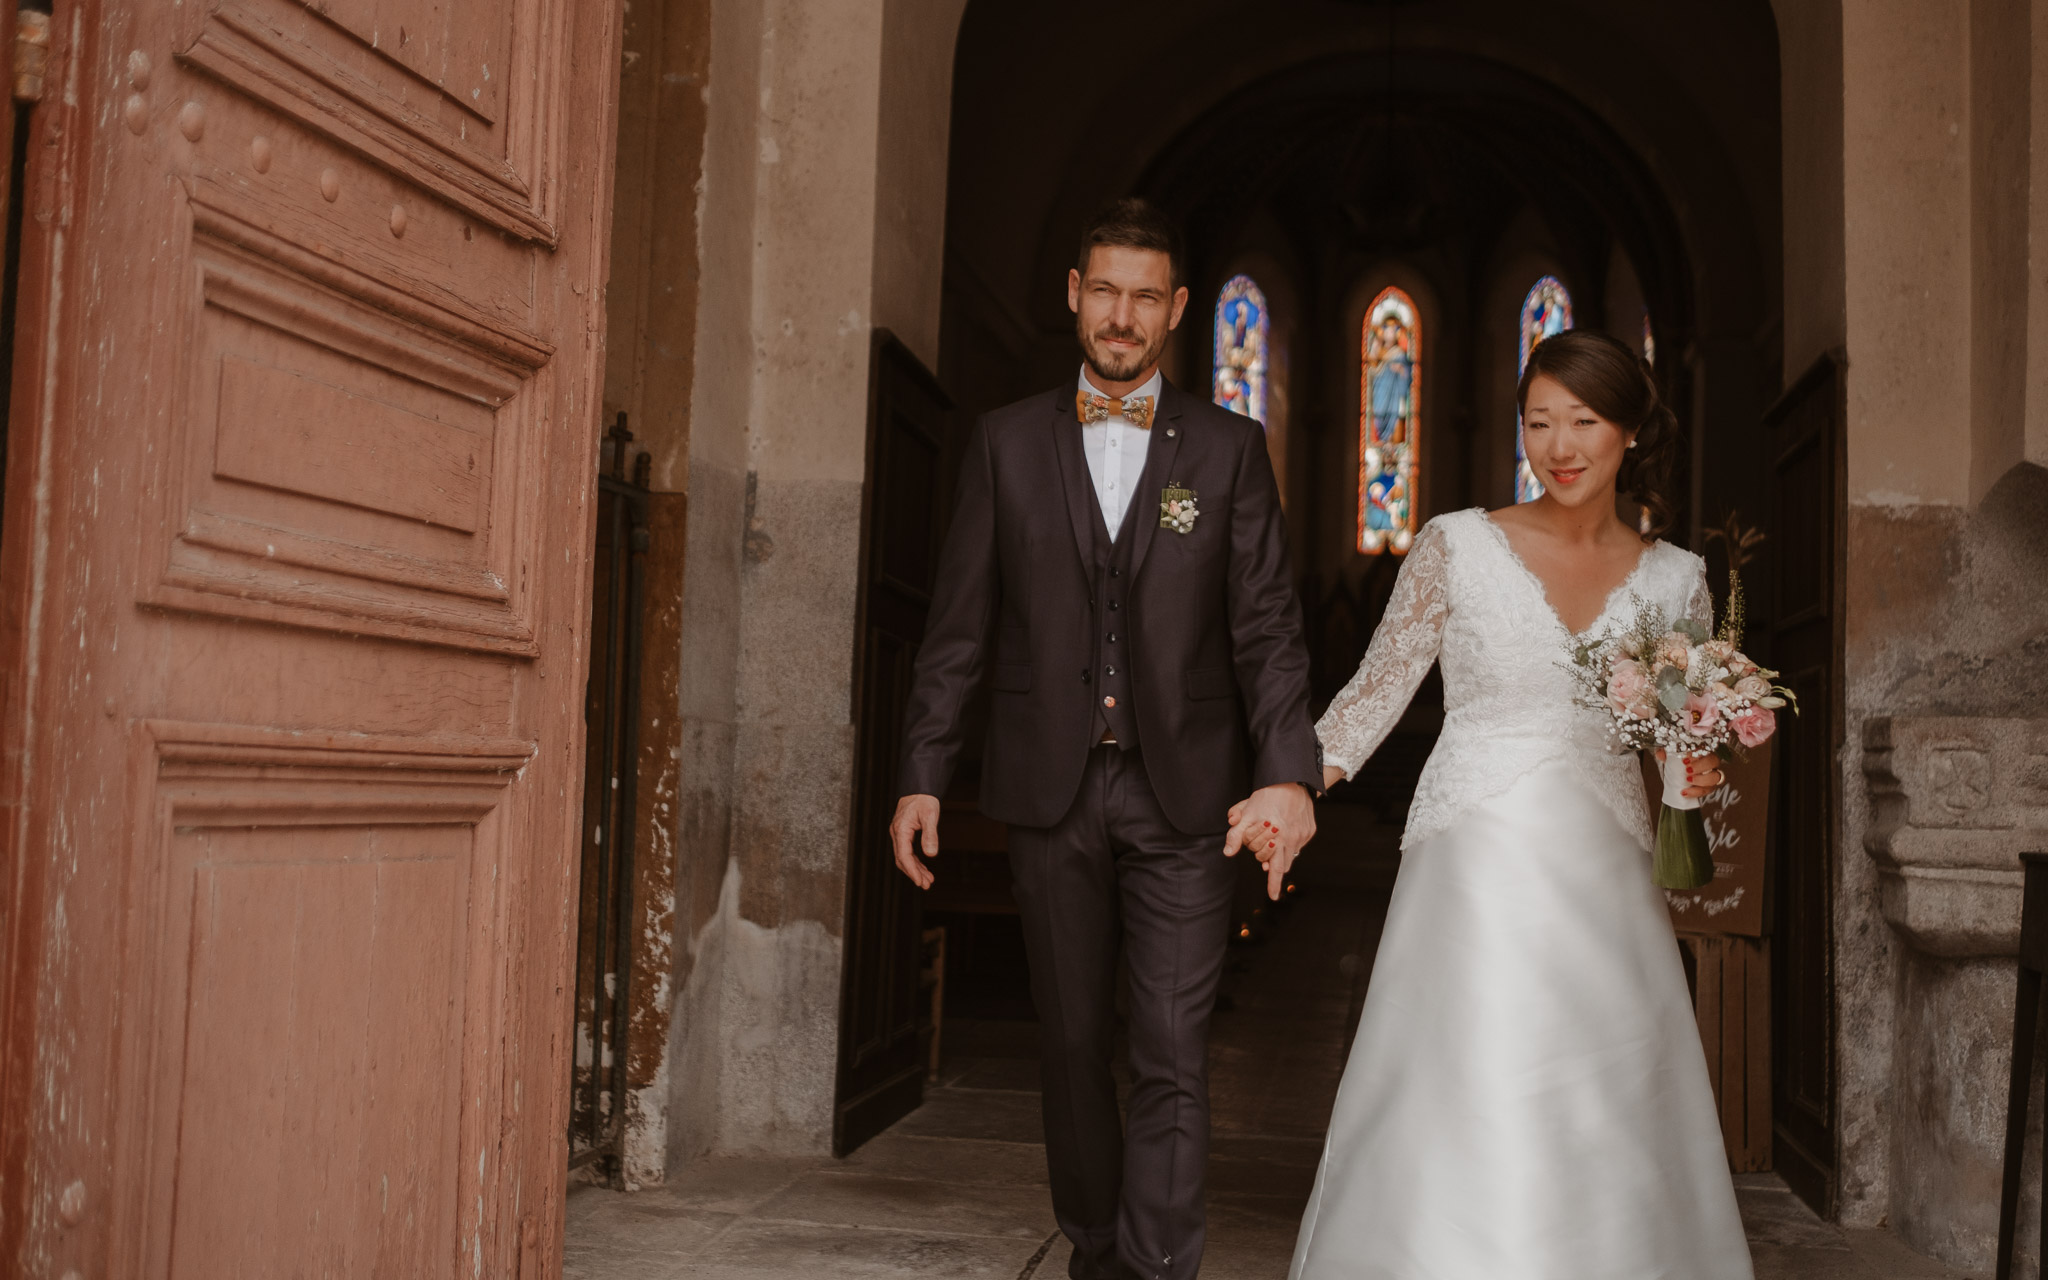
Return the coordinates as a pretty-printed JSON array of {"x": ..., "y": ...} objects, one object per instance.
[{"x": 1955, "y": 800}]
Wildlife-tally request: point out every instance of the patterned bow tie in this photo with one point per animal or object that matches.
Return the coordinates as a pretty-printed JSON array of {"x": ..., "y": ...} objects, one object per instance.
[{"x": 1136, "y": 410}]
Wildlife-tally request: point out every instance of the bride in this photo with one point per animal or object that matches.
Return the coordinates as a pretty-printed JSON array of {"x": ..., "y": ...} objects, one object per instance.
[{"x": 1526, "y": 1097}]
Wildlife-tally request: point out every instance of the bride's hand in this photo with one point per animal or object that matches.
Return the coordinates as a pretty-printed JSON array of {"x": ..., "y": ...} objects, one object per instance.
[
  {"x": 1332, "y": 775},
  {"x": 1703, "y": 774}
]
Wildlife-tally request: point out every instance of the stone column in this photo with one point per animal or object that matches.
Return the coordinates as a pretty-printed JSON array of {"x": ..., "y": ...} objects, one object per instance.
[
  {"x": 1943, "y": 644},
  {"x": 820, "y": 215}
]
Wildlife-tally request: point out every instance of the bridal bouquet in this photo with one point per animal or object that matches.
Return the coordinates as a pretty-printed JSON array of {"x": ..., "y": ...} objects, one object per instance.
[{"x": 1666, "y": 684}]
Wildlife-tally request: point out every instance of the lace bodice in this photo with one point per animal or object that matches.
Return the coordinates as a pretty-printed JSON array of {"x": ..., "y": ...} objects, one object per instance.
[{"x": 1466, "y": 600}]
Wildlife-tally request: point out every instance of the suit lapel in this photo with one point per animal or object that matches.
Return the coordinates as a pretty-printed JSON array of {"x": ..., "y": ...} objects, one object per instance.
[
  {"x": 1142, "y": 520},
  {"x": 1084, "y": 511}
]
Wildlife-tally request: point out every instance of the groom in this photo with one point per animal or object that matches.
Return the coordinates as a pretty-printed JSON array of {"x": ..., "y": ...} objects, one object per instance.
[{"x": 1117, "y": 573}]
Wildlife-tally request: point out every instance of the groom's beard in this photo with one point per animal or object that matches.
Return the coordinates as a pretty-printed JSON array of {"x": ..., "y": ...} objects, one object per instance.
[{"x": 1110, "y": 366}]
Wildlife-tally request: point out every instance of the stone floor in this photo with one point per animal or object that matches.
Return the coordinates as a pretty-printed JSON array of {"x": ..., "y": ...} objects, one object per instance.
[{"x": 957, "y": 1189}]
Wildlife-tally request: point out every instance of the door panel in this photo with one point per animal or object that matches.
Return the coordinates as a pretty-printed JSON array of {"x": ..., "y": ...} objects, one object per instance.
[
  {"x": 336, "y": 467},
  {"x": 1805, "y": 639},
  {"x": 292, "y": 592},
  {"x": 299, "y": 1055},
  {"x": 881, "y": 1071},
  {"x": 416, "y": 87},
  {"x": 319, "y": 964}
]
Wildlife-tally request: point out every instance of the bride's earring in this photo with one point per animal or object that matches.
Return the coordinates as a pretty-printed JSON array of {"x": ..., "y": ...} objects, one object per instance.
[{"x": 1632, "y": 444}]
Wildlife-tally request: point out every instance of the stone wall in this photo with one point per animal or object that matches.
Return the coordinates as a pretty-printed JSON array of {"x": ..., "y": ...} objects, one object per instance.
[
  {"x": 1949, "y": 708},
  {"x": 818, "y": 218},
  {"x": 1910, "y": 178}
]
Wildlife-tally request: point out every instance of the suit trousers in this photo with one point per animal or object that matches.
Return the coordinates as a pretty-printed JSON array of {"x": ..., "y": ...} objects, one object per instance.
[{"x": 1114, "y": 874}]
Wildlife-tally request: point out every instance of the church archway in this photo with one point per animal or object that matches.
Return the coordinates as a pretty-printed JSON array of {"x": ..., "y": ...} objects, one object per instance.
[{"x": 1461, "y": 151}]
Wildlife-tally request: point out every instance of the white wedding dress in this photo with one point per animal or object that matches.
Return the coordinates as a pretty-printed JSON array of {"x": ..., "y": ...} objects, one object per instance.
[{"x": 1526, "y": 1097}]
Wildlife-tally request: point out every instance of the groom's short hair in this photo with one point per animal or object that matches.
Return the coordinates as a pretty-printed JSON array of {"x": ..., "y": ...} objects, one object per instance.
[{"x": 1130, "y": 222}]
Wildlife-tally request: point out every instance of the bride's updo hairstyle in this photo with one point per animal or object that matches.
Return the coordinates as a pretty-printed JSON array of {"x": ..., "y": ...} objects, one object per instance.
[{"x": 1615, "y": 383}]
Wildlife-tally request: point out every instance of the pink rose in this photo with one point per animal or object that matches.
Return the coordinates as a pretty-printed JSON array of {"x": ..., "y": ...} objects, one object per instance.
[
  {"x": 1674, "y": 650},
  {"x": 1754, "y": 726},
  {"x": 1629, "y": 690},
  {"x": 1699, "y": 714},
  {"x": 1718, "y": 652},
  {"x": 1753, "y": 687}
]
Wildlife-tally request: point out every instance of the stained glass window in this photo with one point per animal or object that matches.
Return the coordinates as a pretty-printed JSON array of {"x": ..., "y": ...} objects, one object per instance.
[
  {"x": 1546, "y": 310},
  {"x": 1649, "y": 357},
  {"x": 1389, "y": 422},
  {"x": 1242, "y": 329}
]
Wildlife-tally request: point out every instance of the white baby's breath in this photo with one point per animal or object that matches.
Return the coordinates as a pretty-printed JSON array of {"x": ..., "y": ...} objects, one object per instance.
[{"x": 1691, "y": 676}]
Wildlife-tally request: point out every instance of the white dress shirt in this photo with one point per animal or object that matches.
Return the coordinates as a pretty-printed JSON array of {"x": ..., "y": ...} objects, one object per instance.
[{"x": 1116, "y": 453}]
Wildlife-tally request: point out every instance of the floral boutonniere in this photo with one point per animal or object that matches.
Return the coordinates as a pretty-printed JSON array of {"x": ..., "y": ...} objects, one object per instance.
[{"x": 1177, "y": 508}]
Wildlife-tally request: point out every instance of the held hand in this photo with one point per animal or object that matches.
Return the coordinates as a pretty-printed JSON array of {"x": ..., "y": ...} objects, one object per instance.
[
  {"x": 1332, "y": 775},
  {"x": 1274, "y": 822},
  {"x": 915, "y": 814},
  {"x": 1703, "y": 774}
]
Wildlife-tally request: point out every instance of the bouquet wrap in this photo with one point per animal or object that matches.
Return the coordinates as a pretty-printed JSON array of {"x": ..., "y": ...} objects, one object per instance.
[{"x": 1684, "y": 859}]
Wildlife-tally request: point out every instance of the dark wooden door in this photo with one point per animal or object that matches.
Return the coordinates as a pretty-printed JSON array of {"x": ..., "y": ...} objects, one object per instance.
[
  {"x": 881, "y": 1071},
  {"x": 1804, "y": 432},
  {"x": 292, "y": 610}
]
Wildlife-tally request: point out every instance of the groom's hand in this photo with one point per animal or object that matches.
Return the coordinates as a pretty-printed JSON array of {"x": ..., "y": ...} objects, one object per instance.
[
  {"x": 915, "y": 814},
  {"x": 1281, "y": 818}
]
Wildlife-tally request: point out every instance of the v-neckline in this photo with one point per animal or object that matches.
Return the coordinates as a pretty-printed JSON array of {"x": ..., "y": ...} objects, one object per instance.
[{"x": 1543, "y": 592}]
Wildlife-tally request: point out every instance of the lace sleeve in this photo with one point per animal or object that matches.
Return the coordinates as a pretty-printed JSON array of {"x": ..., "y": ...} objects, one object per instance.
[
  {"x": 1700, "y": 607},
  {"x": 1402, "y": 649}
]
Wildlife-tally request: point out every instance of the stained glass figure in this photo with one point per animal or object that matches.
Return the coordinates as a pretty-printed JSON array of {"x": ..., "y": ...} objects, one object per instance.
[
  {"x": 1242, "y": 329},
  {"x": 1389, "y": 423},
  {"x": 1546, "y": 310}
]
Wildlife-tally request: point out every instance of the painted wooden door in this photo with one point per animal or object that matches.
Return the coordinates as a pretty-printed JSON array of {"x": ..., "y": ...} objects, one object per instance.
[{"x": 293, "y": 579}]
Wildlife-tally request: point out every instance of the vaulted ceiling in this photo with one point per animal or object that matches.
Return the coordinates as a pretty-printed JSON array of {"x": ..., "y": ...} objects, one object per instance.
[{"x": 1364, "y": 128}]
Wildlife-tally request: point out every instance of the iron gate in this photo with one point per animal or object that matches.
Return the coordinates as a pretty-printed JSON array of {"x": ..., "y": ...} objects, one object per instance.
[{"x": 611, "y": 711}]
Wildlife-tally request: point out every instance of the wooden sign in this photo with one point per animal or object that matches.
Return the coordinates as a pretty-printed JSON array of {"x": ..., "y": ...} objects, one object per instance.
[{"x": 1738, "y": 823}]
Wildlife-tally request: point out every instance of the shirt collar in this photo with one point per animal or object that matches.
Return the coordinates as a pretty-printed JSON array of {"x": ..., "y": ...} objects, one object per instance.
[{"x": 1151, "y": 388}]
